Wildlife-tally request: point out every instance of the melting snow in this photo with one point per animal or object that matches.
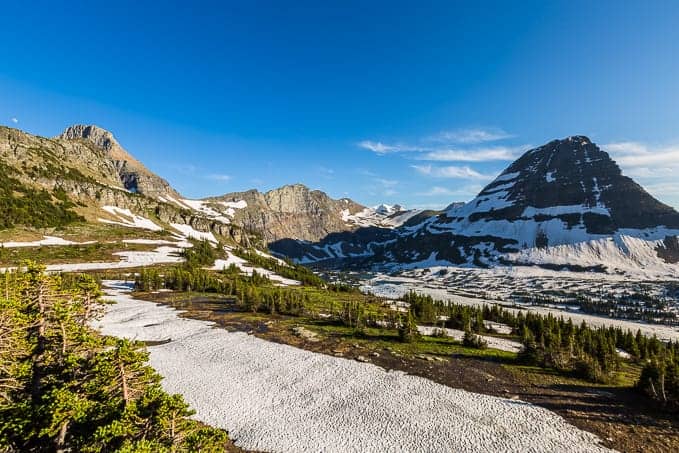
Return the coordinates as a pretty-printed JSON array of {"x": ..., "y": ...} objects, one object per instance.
[
  {"x": 161, "y": 255},
  {"x": 274, "y": 397},
  {"x": 189, "y": 232},
  {"x": 381, "y": 216},
  {"x": 493, "y": 342},
  {"x": 128, "y": 219},
  {"x": 247, "y": 269},
  {"x": 507, "y": 176},
  {"x": 48, "y": 240}
]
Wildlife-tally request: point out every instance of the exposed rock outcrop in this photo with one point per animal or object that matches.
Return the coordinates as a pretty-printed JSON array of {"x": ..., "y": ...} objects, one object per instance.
[
  {"x": 133, "y": 175},
  {"x": 292, "y": 211}
]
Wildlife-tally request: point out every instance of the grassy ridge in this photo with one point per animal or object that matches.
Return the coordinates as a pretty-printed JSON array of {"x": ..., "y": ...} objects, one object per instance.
[{"x": 24, "y": 205}]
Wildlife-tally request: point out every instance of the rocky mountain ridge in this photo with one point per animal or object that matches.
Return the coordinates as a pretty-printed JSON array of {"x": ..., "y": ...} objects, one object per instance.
[
  {"x": 89, "y": 164},
  {"x": 565, "y": 204}
]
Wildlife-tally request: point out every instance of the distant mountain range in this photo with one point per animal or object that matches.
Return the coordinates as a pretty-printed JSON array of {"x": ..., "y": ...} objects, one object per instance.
[
  {"x": 565, "y": 204},
  {"x": 88, "y": 164}
]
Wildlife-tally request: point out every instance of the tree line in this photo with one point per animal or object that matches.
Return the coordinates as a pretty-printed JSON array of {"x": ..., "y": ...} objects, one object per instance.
[
  {"x": 24, "y": 205},
  {"x": 548, "y": 341}
]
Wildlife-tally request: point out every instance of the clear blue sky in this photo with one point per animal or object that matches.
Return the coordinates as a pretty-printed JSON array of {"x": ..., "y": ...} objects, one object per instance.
[{"x": 418, "y": 103}]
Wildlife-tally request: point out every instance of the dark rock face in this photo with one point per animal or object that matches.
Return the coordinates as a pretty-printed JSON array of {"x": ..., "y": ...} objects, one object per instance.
[
  {"x": 576, "y": 172},
  {"x": 669, "y": 251}
]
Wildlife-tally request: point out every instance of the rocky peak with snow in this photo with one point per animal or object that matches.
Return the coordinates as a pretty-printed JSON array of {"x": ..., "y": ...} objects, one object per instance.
[
  {"x": 386, "y": 209},
  {"x": 571, "y": 181},
  {"x": 291, "y": 211},
  {"x": 563, "y": 204}
]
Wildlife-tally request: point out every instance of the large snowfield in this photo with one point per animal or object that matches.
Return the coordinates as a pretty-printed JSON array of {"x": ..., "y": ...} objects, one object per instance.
[{"x": 274, "y": 397}]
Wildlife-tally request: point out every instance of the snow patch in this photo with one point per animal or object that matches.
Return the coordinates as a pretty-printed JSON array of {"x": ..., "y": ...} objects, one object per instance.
[
  {"x": 501, "y": 344},
  {"x": 128, "y": 219},
  {"x": 247, "y": 269},
  {"x": 189, "y": 232},
  {"x": 48, "y": 240},
  {"x": 274, "y": 397}
]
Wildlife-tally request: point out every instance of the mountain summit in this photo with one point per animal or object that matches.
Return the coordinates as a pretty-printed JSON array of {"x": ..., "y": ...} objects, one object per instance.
[
  {"x": 133, "y": 174},
  {"x": 575, "y": 181},
  {"x": 565, "y": 191}
]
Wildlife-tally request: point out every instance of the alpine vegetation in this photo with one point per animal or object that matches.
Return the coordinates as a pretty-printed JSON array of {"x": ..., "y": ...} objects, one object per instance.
[{"x": 64, "y": 387}]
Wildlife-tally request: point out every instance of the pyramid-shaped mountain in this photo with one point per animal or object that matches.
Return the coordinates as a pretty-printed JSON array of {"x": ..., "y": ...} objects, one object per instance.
[
  {"x": 563, "y": 193},
  {"x": 574, "y": 181}
]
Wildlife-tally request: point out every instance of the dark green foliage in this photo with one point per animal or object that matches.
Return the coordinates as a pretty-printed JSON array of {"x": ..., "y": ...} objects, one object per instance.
[
  {"x": 66, "y": 388},
  {"x": 201, "y": 254},
  {"x": 285, "y": 269},
  {"x": 23, "y": 205},
  {"x": 407, "y": 330},
  {"x": 586, "y": 352},
  {"x": 660, "y": 377},
  {"x": 471, "y": 340},
  {"x": 252, "y": 293}
]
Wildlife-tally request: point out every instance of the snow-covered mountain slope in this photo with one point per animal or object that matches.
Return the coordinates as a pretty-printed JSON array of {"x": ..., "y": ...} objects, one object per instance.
[
  {"x": 563, "y": 204},
  {"x": 617, "y": 254},
  {"x": 385, "y": 216}
]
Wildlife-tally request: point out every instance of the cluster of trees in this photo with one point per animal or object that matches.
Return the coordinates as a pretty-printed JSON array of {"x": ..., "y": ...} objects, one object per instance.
[
  {"x": 201, "y": 254},
  {"x": 64, "y": 388},
  {"x": 558, "y": 343},
  {"x": 288, "y": 269},
  {"x": 591, "y": 353},
  {"x": 285, "y": 269},
  {"x": 251, "y": 293},
  {"x": 639, "y": 305},
  {"x": 660, "y": 377},
  {"x": 454, "y": 316},
  {"x": 653, "y": 310},
  {"x": 24, "y": 205}
]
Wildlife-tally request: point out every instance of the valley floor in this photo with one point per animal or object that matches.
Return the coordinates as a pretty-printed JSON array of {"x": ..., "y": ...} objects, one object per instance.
[
  {"x": 276, "y": 397},
  {"x": 492, "y": 287}
]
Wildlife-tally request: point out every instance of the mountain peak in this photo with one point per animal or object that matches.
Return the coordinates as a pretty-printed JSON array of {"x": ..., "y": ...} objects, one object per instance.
[
  {"x": 570, "y": 181},
  {"x": 133, "y": 174},
  {"x": 100, "y": 137},
  {"x": 582, "y": 139},
  {"x": 103, "y": 140}
]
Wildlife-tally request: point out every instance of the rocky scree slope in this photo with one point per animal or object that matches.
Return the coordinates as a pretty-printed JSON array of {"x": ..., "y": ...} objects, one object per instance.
[{"x": 565, "y": 193}]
